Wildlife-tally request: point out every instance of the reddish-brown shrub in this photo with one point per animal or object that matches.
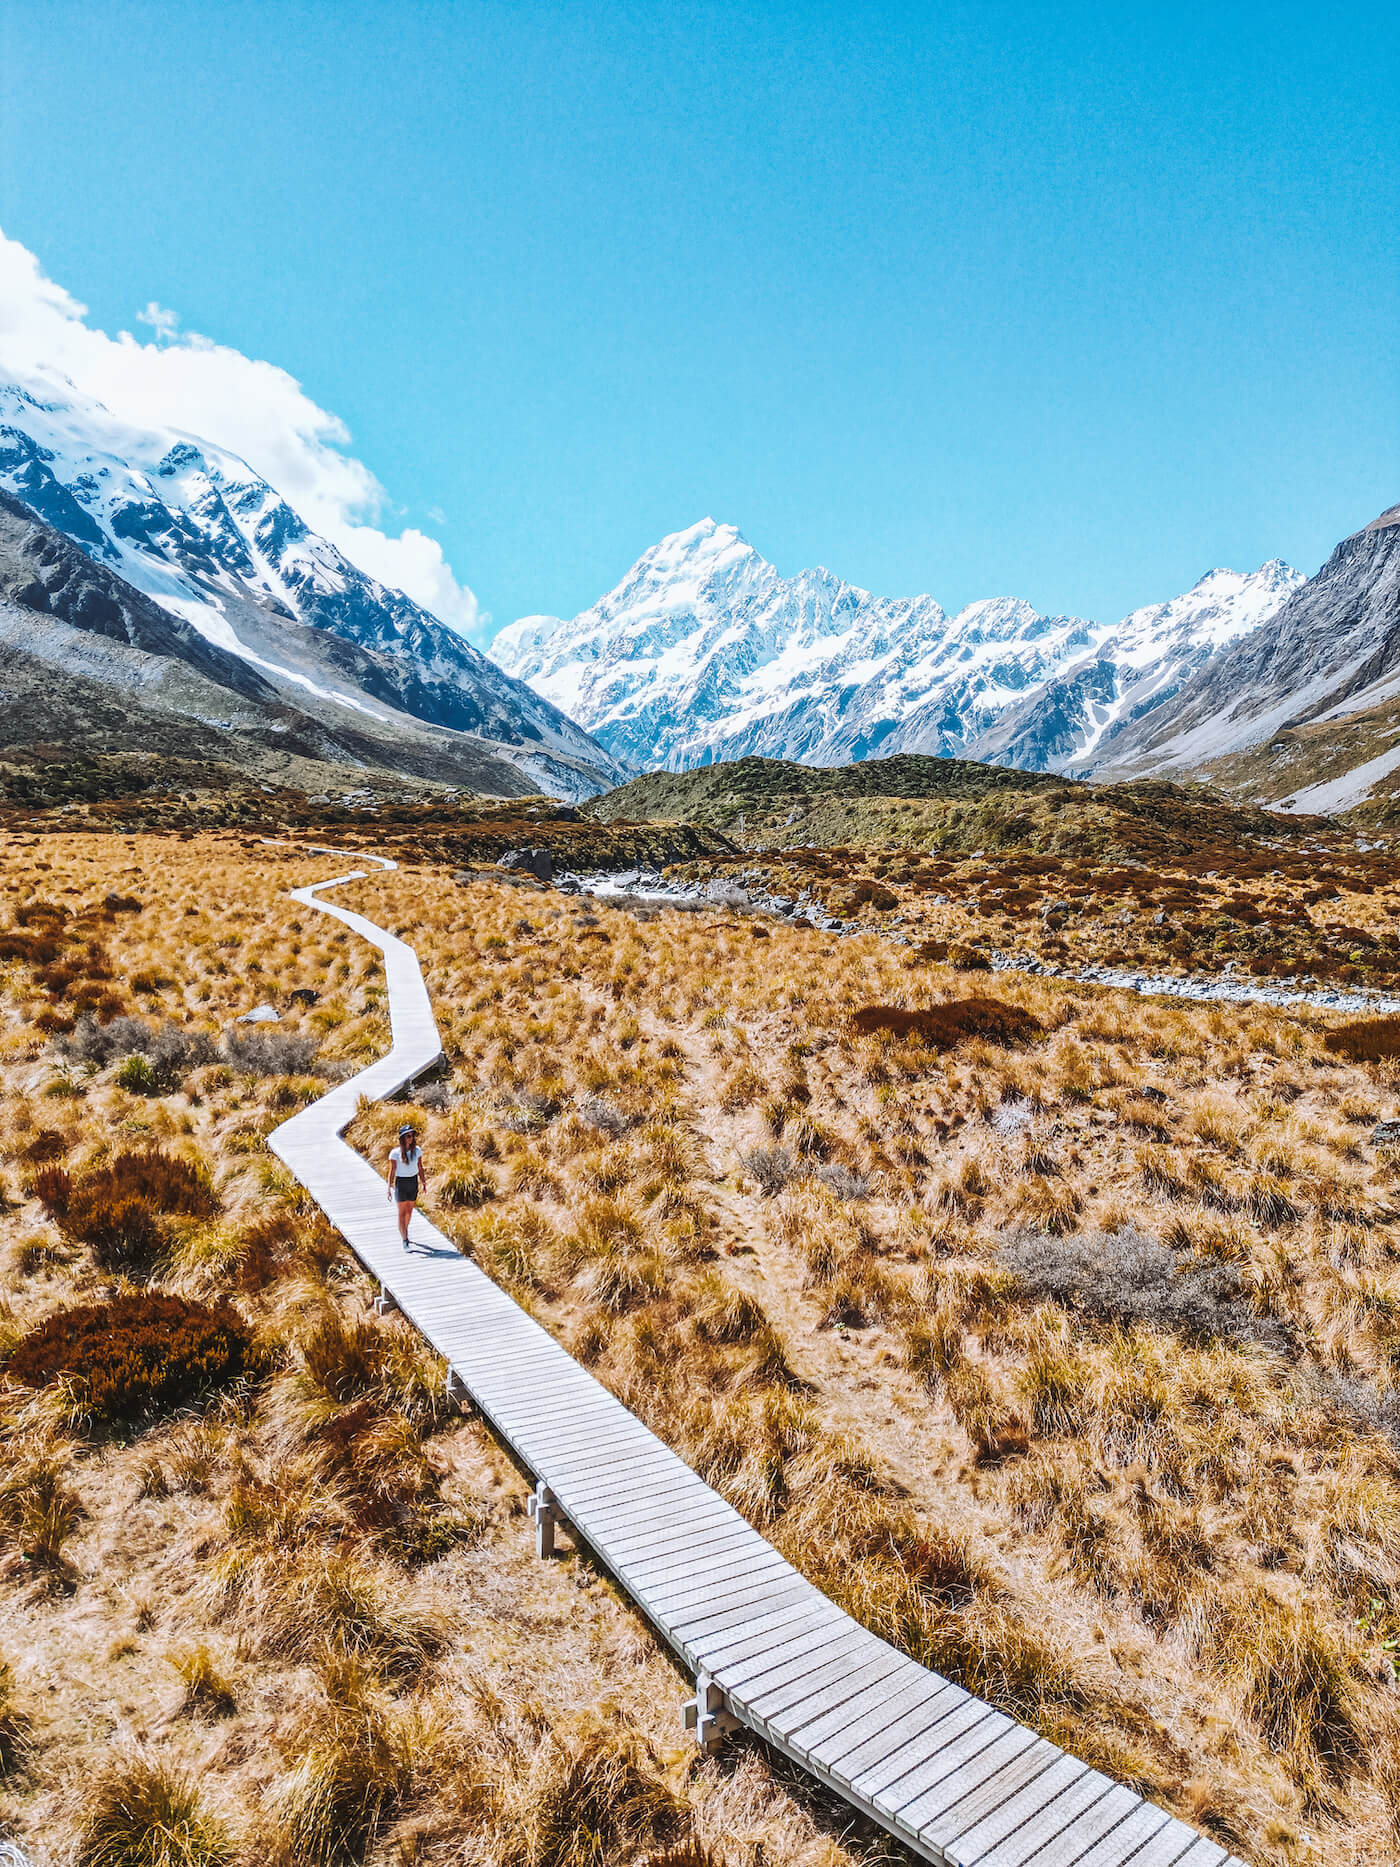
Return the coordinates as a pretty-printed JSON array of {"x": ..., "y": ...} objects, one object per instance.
[
  {"x": 955, "y": 1021},
  {"x": 53, "y": 1023},
  {"x": 1369, "y": 1040},
  {"x": 34, "y": 949},
  {"x": 266, "y": 1249},
  {"x": 118, "y": 1210},
  {"x": 47, "y": 1145},
  {"x": 53, "y": 1188},
  {"x": 137, "y": 1356},
  {"x": 872, "y": 894},
  {"x": 40, "y": 913}
]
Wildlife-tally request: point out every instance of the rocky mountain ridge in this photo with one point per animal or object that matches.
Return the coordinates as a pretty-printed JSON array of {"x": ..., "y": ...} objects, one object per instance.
[
  {"x": 705, "y": 652},
  {"x": 1328, "y": 658},
  {"x": 210, "y": 541},
  {"x": 93, "y": 668}
]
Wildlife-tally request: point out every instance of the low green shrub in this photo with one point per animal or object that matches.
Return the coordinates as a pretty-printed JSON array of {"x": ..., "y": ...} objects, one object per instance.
[
  {"x": 137, "y": 1075},
  {"x": 137, "y": 1356}
]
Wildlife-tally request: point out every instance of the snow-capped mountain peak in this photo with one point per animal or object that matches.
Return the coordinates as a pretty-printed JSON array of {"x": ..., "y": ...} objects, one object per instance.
[
  {"x": 703, "y": 651},
  {"x": 195, "y": 527}
]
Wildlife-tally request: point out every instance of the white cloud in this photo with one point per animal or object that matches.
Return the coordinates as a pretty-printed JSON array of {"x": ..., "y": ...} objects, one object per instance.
[
  {"x": 215, "y": 393},
  {"x": 164, "y": 323}
]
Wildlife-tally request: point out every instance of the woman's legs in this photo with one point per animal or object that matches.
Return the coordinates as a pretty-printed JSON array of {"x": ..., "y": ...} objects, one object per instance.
[{"x": 405, "y": 1214}]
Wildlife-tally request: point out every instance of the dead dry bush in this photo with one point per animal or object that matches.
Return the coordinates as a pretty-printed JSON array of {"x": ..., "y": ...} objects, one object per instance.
[
  {"x": 1128, "y": 1278},
  {"x": 260, "y": 1052},
  {"x": 170, "y": 1050},
  {"x": 770, "y": 1168}
]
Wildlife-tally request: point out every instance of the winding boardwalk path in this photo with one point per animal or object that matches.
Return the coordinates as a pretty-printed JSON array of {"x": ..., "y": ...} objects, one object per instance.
[{"x": 956, "y": 1781}]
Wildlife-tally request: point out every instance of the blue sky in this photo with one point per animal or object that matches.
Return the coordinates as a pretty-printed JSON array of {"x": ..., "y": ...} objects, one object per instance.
[{"x": 1071, "y": 303}]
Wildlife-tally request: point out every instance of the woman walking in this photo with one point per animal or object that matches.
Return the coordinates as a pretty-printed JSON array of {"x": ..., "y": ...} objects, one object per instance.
[{"x": 406, "y": 1174}]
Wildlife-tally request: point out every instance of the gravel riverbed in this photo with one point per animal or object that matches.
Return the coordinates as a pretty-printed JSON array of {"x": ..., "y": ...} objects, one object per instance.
[{"x": 747, "y": 895}]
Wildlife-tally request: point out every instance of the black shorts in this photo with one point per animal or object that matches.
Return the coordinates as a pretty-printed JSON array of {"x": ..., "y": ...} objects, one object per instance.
[{"x": 406, "y": 1189}]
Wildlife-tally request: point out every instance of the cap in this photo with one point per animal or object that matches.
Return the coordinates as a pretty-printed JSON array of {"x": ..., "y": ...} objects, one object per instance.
[{"x": 407, "y": 1128}]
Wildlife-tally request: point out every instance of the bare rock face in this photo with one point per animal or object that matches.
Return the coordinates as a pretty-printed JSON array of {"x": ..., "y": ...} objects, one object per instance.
[
  {"x": 92, "y": 665},
  {"x": 42, "y": 570},
  {"x": 1332, "y": 649}
]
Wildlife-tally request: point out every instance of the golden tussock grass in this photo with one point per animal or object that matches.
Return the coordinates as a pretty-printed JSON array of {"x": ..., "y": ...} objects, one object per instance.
[{"x": 1161, "y": 1544}]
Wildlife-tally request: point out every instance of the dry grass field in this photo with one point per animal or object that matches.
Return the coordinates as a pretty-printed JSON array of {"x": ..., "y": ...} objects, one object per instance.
[{"x": 1051, "y": 1330}]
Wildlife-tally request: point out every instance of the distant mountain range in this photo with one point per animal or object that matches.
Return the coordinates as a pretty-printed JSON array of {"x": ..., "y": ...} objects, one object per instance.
[
  {"x": 704, "y": 652},
  {"x": 158, "y": 596},
  {"x": 333, "y": 663}
]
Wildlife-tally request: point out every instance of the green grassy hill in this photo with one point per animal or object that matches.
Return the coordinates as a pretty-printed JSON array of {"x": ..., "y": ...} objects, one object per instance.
[
  {"x": 947, "y": 804},
  {"x": 718, "y": 795}
]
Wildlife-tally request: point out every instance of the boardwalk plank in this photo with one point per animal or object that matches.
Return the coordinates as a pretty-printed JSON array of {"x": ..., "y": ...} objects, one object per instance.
[{"x": 1059, "y": 1840}]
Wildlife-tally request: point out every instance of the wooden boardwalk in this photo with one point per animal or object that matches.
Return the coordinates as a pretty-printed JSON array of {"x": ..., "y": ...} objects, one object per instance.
[{"x": 957, "y": 1782}]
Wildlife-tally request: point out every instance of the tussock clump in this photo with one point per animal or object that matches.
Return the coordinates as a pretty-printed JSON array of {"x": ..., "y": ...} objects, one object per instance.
[
  {"x": 136, "y": 1356},
  {"x": 1126, "y": 1277},
  {"x": 208, "y": 1691},
  {"x": 598, "y": 1795},
  {"x": 724, "y": 1313},
  {"x": 350, "y": 1360},
  {"x": 468, "y": 1184},
  {"x": 1295, "y": 1681},
  {"x": 319, "y": 1603},
  {"x": 144, "y": 1813},
  {"x": 956, "y": 1021},
  {"x": 353, "y": 1760},
  {"x": 14, "y": 1722},
  {"x": 39, "y": 1511}
]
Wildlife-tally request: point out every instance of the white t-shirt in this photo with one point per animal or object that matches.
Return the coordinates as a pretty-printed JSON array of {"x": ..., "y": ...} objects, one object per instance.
[{"x": 406, "y": 1162}]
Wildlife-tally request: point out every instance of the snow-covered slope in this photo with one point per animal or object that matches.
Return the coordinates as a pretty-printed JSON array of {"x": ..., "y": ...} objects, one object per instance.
[
  {"x": 194, "y": 527},
  {"x": 704, "y": 652},
  {"x": 1332, "y": 651}
]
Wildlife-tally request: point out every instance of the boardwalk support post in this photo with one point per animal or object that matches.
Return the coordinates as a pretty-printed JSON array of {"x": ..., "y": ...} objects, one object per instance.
[
  {"x": 708, "y": 1716},
  {"x": 455, "y": 1389},
  {"x": 544, "y": 1510},
  {"x": 385, "y": 1303}
]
